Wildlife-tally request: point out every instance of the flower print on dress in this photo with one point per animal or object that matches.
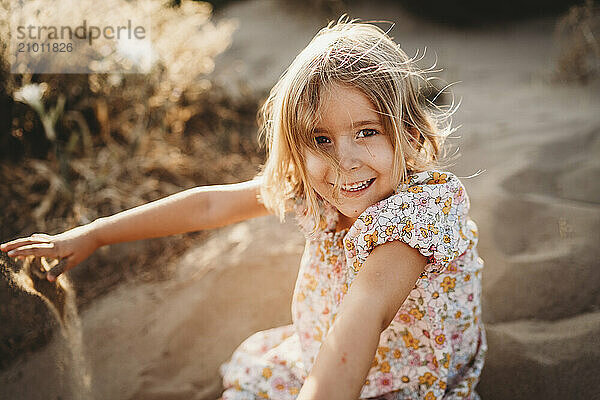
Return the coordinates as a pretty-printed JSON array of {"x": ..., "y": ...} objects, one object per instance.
[
  {"x": 414, "y": 217},
  {"x": 386, "y": 381},
  {"x": 430, "y": 215},
  {"x": 434, "y": 346}
]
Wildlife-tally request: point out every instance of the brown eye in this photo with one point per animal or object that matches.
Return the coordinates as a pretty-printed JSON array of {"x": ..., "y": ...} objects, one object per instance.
[
  {"x": 322, "y": 140},
  {"x": 366, "y": 133}
]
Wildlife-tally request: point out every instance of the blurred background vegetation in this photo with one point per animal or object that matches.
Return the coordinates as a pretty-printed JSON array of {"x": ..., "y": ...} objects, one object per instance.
[
  {"x": 121, "y": 140},
  {"x": 77, "y": 147}
]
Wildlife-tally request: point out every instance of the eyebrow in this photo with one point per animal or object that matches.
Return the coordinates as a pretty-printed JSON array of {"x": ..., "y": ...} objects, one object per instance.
[{"x": 357, "y": 124}]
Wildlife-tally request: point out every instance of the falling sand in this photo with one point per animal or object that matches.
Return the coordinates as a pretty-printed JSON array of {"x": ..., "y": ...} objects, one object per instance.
[{"x": 71, "y": 369}]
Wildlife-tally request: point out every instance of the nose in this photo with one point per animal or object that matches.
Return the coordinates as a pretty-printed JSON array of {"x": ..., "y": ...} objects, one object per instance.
[{"x": 348, "y": 155}]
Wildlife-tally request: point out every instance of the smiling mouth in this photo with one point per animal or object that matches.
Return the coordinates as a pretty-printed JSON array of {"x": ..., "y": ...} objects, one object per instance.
[{"x": 358, "y": 186}]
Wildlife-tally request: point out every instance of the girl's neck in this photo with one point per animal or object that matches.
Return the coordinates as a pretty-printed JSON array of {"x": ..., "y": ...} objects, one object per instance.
[{"x": 344, "y": 222}]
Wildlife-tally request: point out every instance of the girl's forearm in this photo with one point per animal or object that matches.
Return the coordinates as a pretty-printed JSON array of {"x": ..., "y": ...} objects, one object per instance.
[
  {"x": 345, "y": 358},
  {"x": 168, "y": 216},
  {"x": 191, "y": 210}
]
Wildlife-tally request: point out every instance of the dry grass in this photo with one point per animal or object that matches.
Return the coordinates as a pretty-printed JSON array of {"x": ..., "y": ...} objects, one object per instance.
[{"x": 124, "y": 140}]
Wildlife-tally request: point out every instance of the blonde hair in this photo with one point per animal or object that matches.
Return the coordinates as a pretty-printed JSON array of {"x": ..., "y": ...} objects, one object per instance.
[{"x": 354, "y": 54}]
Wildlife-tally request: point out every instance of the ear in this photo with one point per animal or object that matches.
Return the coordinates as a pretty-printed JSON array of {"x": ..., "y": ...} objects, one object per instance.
[{"x": 415, "y": 137}]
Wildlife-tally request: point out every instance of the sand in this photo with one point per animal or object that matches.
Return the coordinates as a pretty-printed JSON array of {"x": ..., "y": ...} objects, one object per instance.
[{"x": 536, "y": 205}]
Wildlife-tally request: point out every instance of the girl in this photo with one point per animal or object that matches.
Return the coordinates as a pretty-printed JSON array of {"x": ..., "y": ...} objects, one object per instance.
[{"x": 387, "y": 300}]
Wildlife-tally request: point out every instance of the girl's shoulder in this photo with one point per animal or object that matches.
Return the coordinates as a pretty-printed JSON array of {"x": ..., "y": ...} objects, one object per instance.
[
  {"x": 432, "y": 180},
  {"x": 426, "y": 192},
  {"x": 428, "y": 212}
]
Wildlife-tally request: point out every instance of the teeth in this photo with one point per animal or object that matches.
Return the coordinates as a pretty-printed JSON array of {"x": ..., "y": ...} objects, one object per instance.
[{"x": 356, "y": 186}]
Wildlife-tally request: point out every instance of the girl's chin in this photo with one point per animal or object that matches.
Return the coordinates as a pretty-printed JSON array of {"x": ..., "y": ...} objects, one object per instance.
[{"x": 351, "y": 213}]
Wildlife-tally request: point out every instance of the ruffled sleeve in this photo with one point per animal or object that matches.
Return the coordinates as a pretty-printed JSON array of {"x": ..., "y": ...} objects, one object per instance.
[{"x": 430, "y": 215}]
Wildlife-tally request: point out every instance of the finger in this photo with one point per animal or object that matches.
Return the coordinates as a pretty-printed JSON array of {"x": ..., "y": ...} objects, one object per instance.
[
  {"x": 23, "y": 242},
  {"x": 45, "y": 235},
  {"x": 37, "y": 249},
  {"x": 57, "y": 270}
]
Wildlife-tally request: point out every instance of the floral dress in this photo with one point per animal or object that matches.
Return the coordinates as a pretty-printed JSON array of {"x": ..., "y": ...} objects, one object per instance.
[{"x": 434, "y": 347}]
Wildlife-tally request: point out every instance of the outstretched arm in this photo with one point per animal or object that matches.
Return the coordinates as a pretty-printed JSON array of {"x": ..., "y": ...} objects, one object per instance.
[
  {"x": 195, "y": 209},
  {"x": 385, "y": 280},
  {"x": 187, "y": 211}
]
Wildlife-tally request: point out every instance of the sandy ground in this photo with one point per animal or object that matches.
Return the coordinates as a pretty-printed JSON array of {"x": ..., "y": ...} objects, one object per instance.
[{"x": 536, "y": 204}]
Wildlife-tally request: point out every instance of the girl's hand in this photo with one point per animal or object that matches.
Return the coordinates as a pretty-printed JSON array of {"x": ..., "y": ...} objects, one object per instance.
[{"x": 70, "y": 247}]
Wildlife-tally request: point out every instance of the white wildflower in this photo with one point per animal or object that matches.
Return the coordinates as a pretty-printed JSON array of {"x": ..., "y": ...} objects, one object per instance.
[{"x": 32, "y": 95}]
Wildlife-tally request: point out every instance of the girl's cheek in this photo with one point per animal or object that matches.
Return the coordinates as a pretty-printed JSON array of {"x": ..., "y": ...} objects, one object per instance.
[{"x": 316, "y": 167}]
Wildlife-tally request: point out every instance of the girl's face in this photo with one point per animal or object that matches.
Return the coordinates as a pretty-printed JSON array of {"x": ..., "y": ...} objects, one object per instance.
[{"x": 351, "y": 131}]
